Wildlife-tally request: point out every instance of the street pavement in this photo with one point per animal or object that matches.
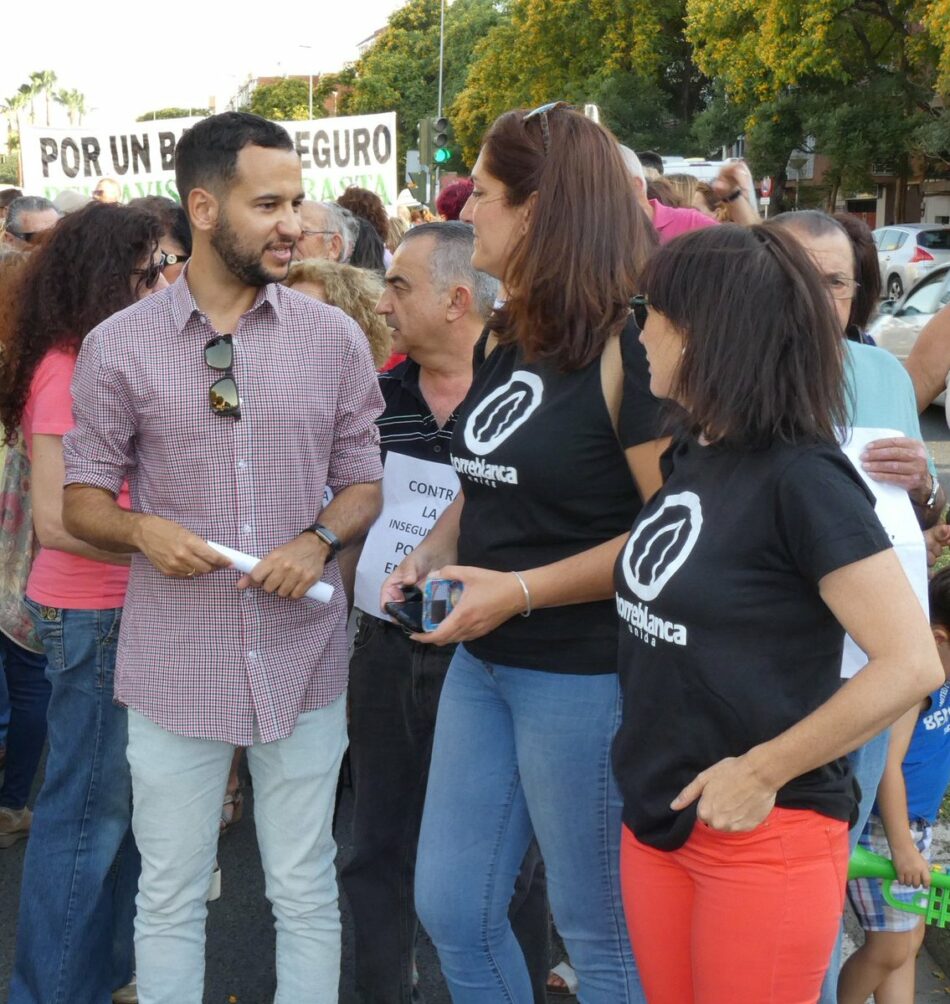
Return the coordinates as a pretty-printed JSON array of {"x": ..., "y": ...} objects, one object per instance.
[{"x": 240, "y": 947}]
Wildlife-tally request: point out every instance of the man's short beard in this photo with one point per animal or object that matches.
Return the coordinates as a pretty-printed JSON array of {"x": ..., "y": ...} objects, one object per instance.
[{"x": 246, "y": 265}]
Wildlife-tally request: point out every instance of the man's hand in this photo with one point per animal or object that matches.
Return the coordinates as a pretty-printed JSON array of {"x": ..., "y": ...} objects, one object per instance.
[
  {"x": 731, "y": 796},
  {"x": 899, "y": 461},
  {"x": 175, "y": 551},
  {"x": 291, "y": 569}
]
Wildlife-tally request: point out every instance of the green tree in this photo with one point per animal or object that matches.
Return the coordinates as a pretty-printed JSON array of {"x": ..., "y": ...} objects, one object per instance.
[
  {"x": 628, "y": 56},
  {"x": 285, "y": 101},
  {"x": 400, "y": 72},
  {"x": 173, "y": 113},
  {"x": 75, "y": 104},
  {"x": 859, "y": 74}
]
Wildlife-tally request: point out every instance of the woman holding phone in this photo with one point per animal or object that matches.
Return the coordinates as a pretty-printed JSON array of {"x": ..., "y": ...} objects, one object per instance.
[{"x": 531, "y": 699}]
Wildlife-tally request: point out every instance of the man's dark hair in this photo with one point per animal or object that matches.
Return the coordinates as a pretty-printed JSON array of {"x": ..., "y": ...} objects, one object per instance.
[
  {"x": 649, "y": 158},
  {"x": 8, "y": 195},
  {"x": 763, "y": 353},
  {"x": 206, "y": 155},
  {"x": 368, "y": 252}
]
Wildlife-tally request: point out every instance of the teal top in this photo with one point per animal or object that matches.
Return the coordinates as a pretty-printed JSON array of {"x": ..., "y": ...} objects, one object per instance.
[{"x": 880, "y": 392}]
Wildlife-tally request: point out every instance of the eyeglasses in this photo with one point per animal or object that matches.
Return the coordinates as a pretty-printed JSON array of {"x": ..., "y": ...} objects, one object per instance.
[
  {"x": 149, "y": 276},
  {"x": 317, "y": 233},
  {"x": 639, "y": 305},
  {"x": 840, "y": 287},
  {"x": 223, "y": 393},
  {"x": 541, "y": 113},
  {"x": 176, "y": 259}
]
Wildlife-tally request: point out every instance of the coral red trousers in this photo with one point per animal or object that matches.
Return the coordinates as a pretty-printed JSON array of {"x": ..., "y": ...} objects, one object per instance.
[{"x": 737, "y": 918}]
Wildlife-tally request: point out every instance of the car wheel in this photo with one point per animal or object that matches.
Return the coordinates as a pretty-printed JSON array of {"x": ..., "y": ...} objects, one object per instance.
[{"x": 895, "y": 288}]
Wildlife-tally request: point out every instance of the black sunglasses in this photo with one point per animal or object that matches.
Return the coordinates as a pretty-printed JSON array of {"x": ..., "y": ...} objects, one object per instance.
[
  {"x": 26, "y": 237},
  {"x": 541, "y": 113},
  {"x": 639, "y": 305},
  {"x": 223, "y": 393},
  {"x": 149, "y": 276}
]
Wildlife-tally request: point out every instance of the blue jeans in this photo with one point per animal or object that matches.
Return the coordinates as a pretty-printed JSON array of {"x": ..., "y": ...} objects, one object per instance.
[
  {"x": 518, "y": 753},
  {"x": 74, "y": 931},
  {"x": 867, "y": 762},
  {"x": 22, "y": 673}
]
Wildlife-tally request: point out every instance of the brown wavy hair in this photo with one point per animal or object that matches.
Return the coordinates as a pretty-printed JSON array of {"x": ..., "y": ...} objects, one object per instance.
[
  {"x": 571, "y": 275},
  {"x": 367, "y": 206},
  {"x": 77, "y": 278},
  {"x": 356, "y": 291}
]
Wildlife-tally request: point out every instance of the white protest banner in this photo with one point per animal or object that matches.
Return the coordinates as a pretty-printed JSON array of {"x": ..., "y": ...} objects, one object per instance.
[
  {"x": 415, "y": 494},
  {"x": 334, "y": 153},
  {"x": 896, "y": 514}
]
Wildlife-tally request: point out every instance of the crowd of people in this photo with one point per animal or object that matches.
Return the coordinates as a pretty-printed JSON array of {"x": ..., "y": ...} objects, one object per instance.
[{"x": 687, "y": 516}]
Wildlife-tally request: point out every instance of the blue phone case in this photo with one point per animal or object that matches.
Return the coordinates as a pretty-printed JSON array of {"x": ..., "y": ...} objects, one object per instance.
[{"x": 438, "y": 600}]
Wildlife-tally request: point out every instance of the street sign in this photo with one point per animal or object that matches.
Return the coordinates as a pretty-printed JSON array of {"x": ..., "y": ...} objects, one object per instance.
[
  {"x": 766, "y": 187},
  {"x": 766, "y": 200}
]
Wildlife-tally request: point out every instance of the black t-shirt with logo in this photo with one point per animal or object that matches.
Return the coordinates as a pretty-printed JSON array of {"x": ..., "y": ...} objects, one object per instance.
[
  {"x": 725, "y": 641},
  {"x": 545, "y": 478}
]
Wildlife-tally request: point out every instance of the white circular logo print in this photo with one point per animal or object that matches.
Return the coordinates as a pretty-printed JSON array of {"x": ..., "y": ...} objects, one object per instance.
[
  {"x": 660, "y": 544},
  {"x": 502, "y": 412}
]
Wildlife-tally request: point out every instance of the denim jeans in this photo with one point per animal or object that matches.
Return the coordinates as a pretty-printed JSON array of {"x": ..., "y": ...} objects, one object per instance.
[
  {"x": 23, "y": 673},
  {"x": 179, "y": 784},
  {"x": 867, "y": 763},
  {"x": 74, "y": 932},
  {"x": 518, "y": 753},
  {"x": 394, "y": 696}
]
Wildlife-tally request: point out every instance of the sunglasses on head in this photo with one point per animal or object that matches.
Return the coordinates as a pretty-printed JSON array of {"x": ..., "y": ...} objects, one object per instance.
[
  {"x": 541, "y": 114},
  {"x": 25, "y": 236},
  {"x": 149, "y": 276},
  {"x": 223, "y": 393}
]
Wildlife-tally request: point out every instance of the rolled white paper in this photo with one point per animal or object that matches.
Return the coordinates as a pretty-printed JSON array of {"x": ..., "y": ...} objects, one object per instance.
[{"x": 321, "y": 591}]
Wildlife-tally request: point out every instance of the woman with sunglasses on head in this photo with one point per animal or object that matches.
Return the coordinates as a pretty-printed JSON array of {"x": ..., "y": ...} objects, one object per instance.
[
  {"x": 74, "y": 932},
  {"x": 531, "y": 699},
  {"x": 734, "y": 592}
]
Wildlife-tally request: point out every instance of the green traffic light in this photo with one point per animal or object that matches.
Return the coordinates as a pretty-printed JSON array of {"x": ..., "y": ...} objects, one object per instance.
[{"x": 442, "y": 155}]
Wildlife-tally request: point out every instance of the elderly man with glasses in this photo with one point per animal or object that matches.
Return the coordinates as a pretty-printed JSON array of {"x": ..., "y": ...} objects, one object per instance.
[
  {"x": 327, "y": 231},
  {"x": 27, "y": 217}
]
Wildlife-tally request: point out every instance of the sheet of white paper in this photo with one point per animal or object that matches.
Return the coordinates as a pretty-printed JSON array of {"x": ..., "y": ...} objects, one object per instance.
[
  {"x": 896, "y": 514},
  {"x": 415, "y": 494},
  {"x": 321, "y": 591}
]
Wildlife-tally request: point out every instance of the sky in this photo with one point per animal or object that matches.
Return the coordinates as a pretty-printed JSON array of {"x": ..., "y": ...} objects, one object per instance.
[{"x": 130, "y": 58}]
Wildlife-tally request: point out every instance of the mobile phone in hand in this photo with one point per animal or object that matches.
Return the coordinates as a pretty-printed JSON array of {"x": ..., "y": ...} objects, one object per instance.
[
  {"x": 438, "y": 601},
  {"x": 407, "y": 613}
]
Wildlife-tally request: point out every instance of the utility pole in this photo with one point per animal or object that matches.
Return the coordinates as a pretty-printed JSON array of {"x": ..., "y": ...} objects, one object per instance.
[{"x": 438, "y": 112}]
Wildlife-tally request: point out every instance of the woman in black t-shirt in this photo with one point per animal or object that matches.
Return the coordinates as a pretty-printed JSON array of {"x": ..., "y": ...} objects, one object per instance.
[
  {"x": 732, "y": 591},
  {"x": 531, "y": 700}
]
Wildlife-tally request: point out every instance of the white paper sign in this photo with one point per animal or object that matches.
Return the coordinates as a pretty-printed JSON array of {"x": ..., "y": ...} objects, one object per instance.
[
  {"x": 415, "y": 494},
  {"x": 896, "y": 514}
]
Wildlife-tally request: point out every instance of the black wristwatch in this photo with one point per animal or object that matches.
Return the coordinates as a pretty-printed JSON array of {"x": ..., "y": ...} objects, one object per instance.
[{"x": 328, "y": 537}]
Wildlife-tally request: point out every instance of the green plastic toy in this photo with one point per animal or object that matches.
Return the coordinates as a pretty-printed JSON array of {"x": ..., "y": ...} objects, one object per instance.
[{"x": 932, "y": 904}]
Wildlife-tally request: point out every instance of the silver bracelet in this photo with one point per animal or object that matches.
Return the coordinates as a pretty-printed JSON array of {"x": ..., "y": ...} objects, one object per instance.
[
  {"x": 934, "y": 489},
  {"x": 527, "y": 595}
]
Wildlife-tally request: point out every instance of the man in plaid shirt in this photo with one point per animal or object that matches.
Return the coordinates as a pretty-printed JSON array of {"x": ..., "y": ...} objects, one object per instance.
[{"x": 229, "y": 403}]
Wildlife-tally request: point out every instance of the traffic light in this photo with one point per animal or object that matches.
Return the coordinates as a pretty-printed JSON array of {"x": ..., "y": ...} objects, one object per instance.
[
  {"x": 425, "y": 142},
  {"x": 440, "y": 140}
]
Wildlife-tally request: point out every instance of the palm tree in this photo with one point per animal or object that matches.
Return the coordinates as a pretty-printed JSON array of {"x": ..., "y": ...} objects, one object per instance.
[
  {"x": 43, "y": 82},
  {"x": 75, "y": 104},
  {"x": 11, "y": 109}
]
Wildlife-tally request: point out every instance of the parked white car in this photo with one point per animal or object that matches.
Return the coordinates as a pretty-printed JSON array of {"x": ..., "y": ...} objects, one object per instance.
[
  {"x": 899, "y": 322},
  {"x": 906, "y": 252}
]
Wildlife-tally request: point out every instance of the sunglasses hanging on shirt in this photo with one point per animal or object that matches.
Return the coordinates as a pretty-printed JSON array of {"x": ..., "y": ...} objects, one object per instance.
[{"x": 223, "y": 393}]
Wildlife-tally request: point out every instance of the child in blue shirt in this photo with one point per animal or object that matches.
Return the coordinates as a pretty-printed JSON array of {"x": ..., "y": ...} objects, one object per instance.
[{"x": 900, "y": 827}]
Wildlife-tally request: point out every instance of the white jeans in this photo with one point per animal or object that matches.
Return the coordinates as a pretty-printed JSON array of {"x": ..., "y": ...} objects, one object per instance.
[{"x": 178, "y": 785}]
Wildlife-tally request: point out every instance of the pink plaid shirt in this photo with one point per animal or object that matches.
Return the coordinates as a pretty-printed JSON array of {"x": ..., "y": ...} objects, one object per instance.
[{"x": 197, "y": 656}]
